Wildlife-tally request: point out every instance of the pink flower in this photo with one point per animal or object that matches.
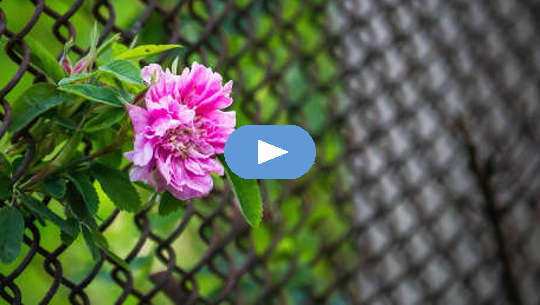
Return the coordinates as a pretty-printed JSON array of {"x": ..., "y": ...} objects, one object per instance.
[
  {"x": 80, "y": 66},
  {"x": 66, "y": 65},
  {"x": 68, "y": 68},
  {"x": 182, "y": 128}
]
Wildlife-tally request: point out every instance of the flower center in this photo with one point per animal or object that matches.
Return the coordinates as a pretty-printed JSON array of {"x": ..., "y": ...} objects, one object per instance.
[{"x": 179, "y": 140}]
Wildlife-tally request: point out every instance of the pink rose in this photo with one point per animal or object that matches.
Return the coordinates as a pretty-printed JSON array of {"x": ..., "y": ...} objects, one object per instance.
[{"x": 181, "y": 129}]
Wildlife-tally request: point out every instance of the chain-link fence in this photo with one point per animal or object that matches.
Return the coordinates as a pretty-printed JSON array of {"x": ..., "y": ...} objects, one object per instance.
[{"x": 425, "y": 116}]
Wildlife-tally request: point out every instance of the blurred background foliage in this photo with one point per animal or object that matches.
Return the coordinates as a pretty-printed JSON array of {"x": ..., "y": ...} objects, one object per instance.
[{"x": 304, "y": 78}]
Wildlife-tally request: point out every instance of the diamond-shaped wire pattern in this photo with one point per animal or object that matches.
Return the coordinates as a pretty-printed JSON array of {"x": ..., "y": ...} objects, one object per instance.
[{"x": 425, "y": 186}]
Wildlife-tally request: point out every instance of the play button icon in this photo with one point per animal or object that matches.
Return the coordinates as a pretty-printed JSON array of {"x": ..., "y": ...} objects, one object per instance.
[
  {"x": 267, "y": 152},
  {"x": 270, "y": 152}
]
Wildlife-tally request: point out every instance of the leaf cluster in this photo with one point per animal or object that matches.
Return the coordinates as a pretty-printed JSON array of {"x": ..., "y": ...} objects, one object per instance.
[{"x": 79, "y": 123}]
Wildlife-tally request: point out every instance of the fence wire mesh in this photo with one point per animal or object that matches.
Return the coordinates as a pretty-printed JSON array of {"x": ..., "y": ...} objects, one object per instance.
[{"x": 425, "y": 116}]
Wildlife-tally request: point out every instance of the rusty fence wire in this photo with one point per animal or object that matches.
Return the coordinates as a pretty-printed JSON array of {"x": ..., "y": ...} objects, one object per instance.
[{"x": 426, "y": 117}]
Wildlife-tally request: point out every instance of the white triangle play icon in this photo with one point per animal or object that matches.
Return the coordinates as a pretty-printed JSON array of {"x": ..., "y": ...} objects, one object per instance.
[{"x": 267, "y": 152}]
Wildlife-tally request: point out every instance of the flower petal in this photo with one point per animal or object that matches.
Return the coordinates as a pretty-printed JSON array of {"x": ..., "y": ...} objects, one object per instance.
[
  {"x": 152, "y": 71},
  {"x": 164, "y": 168},
  {"x": 140, "y": 173},
  {"x": 162, "y": 125},
  {"x": 142, "y": 154},
  {"x": 212, "y": 165},
  {"x": 193, "y": 166},
  {"x": 201, "y": 184},
  {"x": 139, "y": 117}
]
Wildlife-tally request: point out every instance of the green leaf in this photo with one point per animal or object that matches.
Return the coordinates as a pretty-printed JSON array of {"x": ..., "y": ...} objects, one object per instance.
[
  {"x": 66, "y": 123},
  {"x": 262, "y": 239},
  {"x": 90, "y": 243},
  {"x": 112, "y": 159},
  {"x": 41, "y": 210},
  {"x": 133, "y": 42},
  {"x": 33, "y": 102},
  {"x": 168, "y": 204},
  {"x": 5, "y": 187},
  {"x": 94, "y": 93},
  {"x": 75, "y": 78},
  {"x": 124, "y": 70},
  {"x": 117, "y": 186},
  {"x": 11, "y": 234},
  {"x": 174, "y": 66},
  {"x": 55, "y": 186},
  {"x": 101, "y": 242},
  {"x": 104, "y": 120},
  {"x": 109, "y": 49},
  {"x": 66, "y": 238},
  {"x": 69, "y": 150},
  {"x": 142, "y": 264},
  {"x": 248, "y": 195},
  {"x": 107, "y": 44},
  {"x": 115, "y": 258},
  {"x": 87, "y": 191},
  {"x": 5, "y": 165},
  {"x": 146, "y": 50},
  {"x": 77, "y": 208},
  {"x": 95, "y": 241},
  {"x": 43, "y": 60},
  {"x": 117, "y": 49},
  {"x": 94, "y": 37},
  {"x": 100, "y": 239}
]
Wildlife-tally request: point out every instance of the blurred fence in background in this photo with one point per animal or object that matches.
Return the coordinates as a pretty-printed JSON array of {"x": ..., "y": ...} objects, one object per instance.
[{"x": 425, "y": 189}]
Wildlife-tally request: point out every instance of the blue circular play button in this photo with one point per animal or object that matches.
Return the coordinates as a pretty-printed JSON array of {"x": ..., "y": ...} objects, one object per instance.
[{"x": 270, "y": 152}]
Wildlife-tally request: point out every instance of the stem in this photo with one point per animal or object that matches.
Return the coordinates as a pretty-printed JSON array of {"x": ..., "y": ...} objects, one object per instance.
[
  {"x": 62, "y": 157},
  {"x": 107, "y": 149},
  {"x": 68, "y": 111}
]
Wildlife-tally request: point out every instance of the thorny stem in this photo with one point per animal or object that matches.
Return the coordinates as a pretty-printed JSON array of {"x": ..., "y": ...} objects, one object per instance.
[{"x": 107, "y": 149}]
